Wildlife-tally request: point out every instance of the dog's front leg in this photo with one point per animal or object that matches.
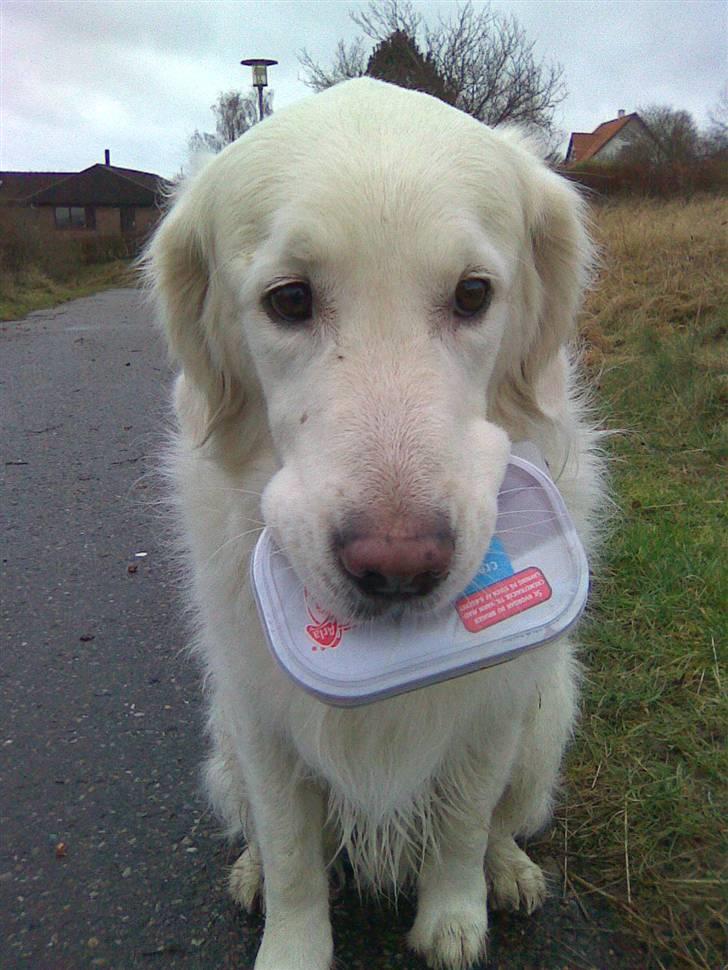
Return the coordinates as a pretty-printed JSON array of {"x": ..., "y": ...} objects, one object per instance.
[
  {"x": 288, "y": 815},
  {"x": 452, "y": 919}
]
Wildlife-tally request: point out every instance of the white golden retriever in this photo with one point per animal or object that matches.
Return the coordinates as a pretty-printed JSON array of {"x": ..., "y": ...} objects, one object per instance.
[{"x": 369, "y": 296}]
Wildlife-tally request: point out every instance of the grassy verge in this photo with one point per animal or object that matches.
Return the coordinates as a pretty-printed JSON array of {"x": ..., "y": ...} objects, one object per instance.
[
  {"x": 21, "y": 293},
  {"x": 644, "y": 823}
]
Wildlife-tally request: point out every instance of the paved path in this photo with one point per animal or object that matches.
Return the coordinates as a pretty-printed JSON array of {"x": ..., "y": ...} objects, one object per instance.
[{"x": 108, "y": 857}]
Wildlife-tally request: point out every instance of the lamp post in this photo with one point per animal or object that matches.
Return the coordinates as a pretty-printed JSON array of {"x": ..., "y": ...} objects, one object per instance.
[{"x": 260, "y": 67}]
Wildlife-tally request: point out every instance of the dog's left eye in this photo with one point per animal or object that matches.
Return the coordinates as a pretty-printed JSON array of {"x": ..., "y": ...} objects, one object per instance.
[
  {"x": 472, "y": 296},
  {"x": 291, "y": 302}
]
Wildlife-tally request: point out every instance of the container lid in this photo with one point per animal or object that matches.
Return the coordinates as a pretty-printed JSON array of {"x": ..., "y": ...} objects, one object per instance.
[{"x": 531, "y": 587}]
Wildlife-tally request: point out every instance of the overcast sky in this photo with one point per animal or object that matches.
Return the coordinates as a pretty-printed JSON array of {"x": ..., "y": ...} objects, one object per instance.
[{"x": 139, "y": 76}]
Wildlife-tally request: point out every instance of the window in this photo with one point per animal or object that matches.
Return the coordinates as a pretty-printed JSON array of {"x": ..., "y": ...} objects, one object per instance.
[
  {"x": 75, "y": 217},
  {"x": 128, "y": 218}
]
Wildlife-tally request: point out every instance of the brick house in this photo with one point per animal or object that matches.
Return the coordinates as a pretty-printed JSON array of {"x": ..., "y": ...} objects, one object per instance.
[
  {"x": 102, "y": 201},
  {"x": 606, "y": 142}
]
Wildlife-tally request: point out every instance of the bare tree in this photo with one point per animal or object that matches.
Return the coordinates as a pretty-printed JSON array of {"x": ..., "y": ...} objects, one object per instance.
[
  {"x": 486, "y": 63},
  {"x": 670, "y": 137},
  {"x": 379, "y": 22},
  {"x": 234, "y": 112},
  {"x": 488, "y": 59},
  {"x": 716, "y": 137},
  {"x": 349, "y": 61}
]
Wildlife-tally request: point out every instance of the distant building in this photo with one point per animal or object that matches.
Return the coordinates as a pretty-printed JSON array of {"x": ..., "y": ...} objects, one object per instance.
[
  {"x": 606, "y": 142},
  {"x": 100, "y": 201}
]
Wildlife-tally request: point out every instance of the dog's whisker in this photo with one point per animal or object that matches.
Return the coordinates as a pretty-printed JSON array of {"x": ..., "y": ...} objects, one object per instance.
[
  {"x": 522, "y": 512},
  {"x": 232, "y": 539},
  {"x": 216, "y": 510},
  {"x": 520, "y": 488},
  {"x": 527, "y": 528},
  {"x": 235, "y": 489},
  {"x": 239, "y": 491}
]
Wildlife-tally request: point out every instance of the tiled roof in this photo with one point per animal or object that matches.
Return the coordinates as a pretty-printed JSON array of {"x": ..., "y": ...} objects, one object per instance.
[
  {"x": 96, "y": 185},
  {"x": 15, "y": 186},
  {"x": 147, "y": 179},
  {"x": 585, "y": 145}
]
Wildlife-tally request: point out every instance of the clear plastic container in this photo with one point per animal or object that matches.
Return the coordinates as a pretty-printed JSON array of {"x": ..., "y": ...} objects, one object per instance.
[{"x": 531, "y": 588}]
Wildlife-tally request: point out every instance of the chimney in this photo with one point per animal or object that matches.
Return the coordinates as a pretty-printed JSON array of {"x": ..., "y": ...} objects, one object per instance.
[
  {"x": 107, "y": 155},
  {"x": 620, "y": 114}
]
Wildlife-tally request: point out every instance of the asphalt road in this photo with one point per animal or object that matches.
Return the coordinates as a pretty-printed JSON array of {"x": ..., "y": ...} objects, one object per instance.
[{"x": 108, "y": 856}]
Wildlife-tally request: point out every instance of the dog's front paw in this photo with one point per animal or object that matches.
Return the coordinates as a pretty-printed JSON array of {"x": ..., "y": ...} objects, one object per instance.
[
  {"x": 245, "y": 882},
  {"x": 296, "y": 944},
  {"x": 451, "y": 936},
  {"x": 515, "y": 882}
]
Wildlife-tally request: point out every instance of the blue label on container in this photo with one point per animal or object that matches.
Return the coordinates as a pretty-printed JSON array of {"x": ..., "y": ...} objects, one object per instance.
[{"x": 495, "y": 566}]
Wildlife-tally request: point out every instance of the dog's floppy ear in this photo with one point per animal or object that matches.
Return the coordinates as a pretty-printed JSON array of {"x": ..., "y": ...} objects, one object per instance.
[
  {"x": 178, "y": 267},
  {"x": 555, "y": 273}
]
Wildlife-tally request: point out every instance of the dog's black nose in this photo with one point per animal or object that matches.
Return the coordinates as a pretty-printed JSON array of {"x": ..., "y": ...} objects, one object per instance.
[{"x": 407, "y": 561}]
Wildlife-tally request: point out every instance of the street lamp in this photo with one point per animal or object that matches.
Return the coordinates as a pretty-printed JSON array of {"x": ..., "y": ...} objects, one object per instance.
[{"x": 260, "y": 67}]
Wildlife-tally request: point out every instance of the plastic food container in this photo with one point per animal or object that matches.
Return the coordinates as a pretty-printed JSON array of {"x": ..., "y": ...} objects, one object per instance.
[{"x": 531, "y": 588}]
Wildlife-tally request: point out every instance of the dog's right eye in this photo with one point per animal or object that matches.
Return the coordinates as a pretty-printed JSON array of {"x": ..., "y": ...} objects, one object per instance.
[
  {"x": 292, "y": 302},
  {"x": 472, "y": 296}
]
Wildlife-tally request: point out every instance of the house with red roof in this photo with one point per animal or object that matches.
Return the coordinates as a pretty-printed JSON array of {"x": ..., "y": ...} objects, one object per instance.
[
  {"x": 100, "y": 201},
  {"x": 606, "y": 142}
]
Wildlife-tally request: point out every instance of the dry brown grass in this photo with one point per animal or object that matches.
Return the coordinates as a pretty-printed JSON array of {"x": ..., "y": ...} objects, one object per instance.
[
  {"x": 644, "y": 821},
  {"x": 663, "y": 266}
]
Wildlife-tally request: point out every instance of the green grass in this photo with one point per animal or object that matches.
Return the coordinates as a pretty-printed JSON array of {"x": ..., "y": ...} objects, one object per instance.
[
  {"x": 21, "y": 293},
  {"x": 646, "y": 804}
]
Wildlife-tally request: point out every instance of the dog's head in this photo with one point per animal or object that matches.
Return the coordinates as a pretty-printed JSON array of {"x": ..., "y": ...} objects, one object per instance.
[{"x": 382, "y": 285}]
